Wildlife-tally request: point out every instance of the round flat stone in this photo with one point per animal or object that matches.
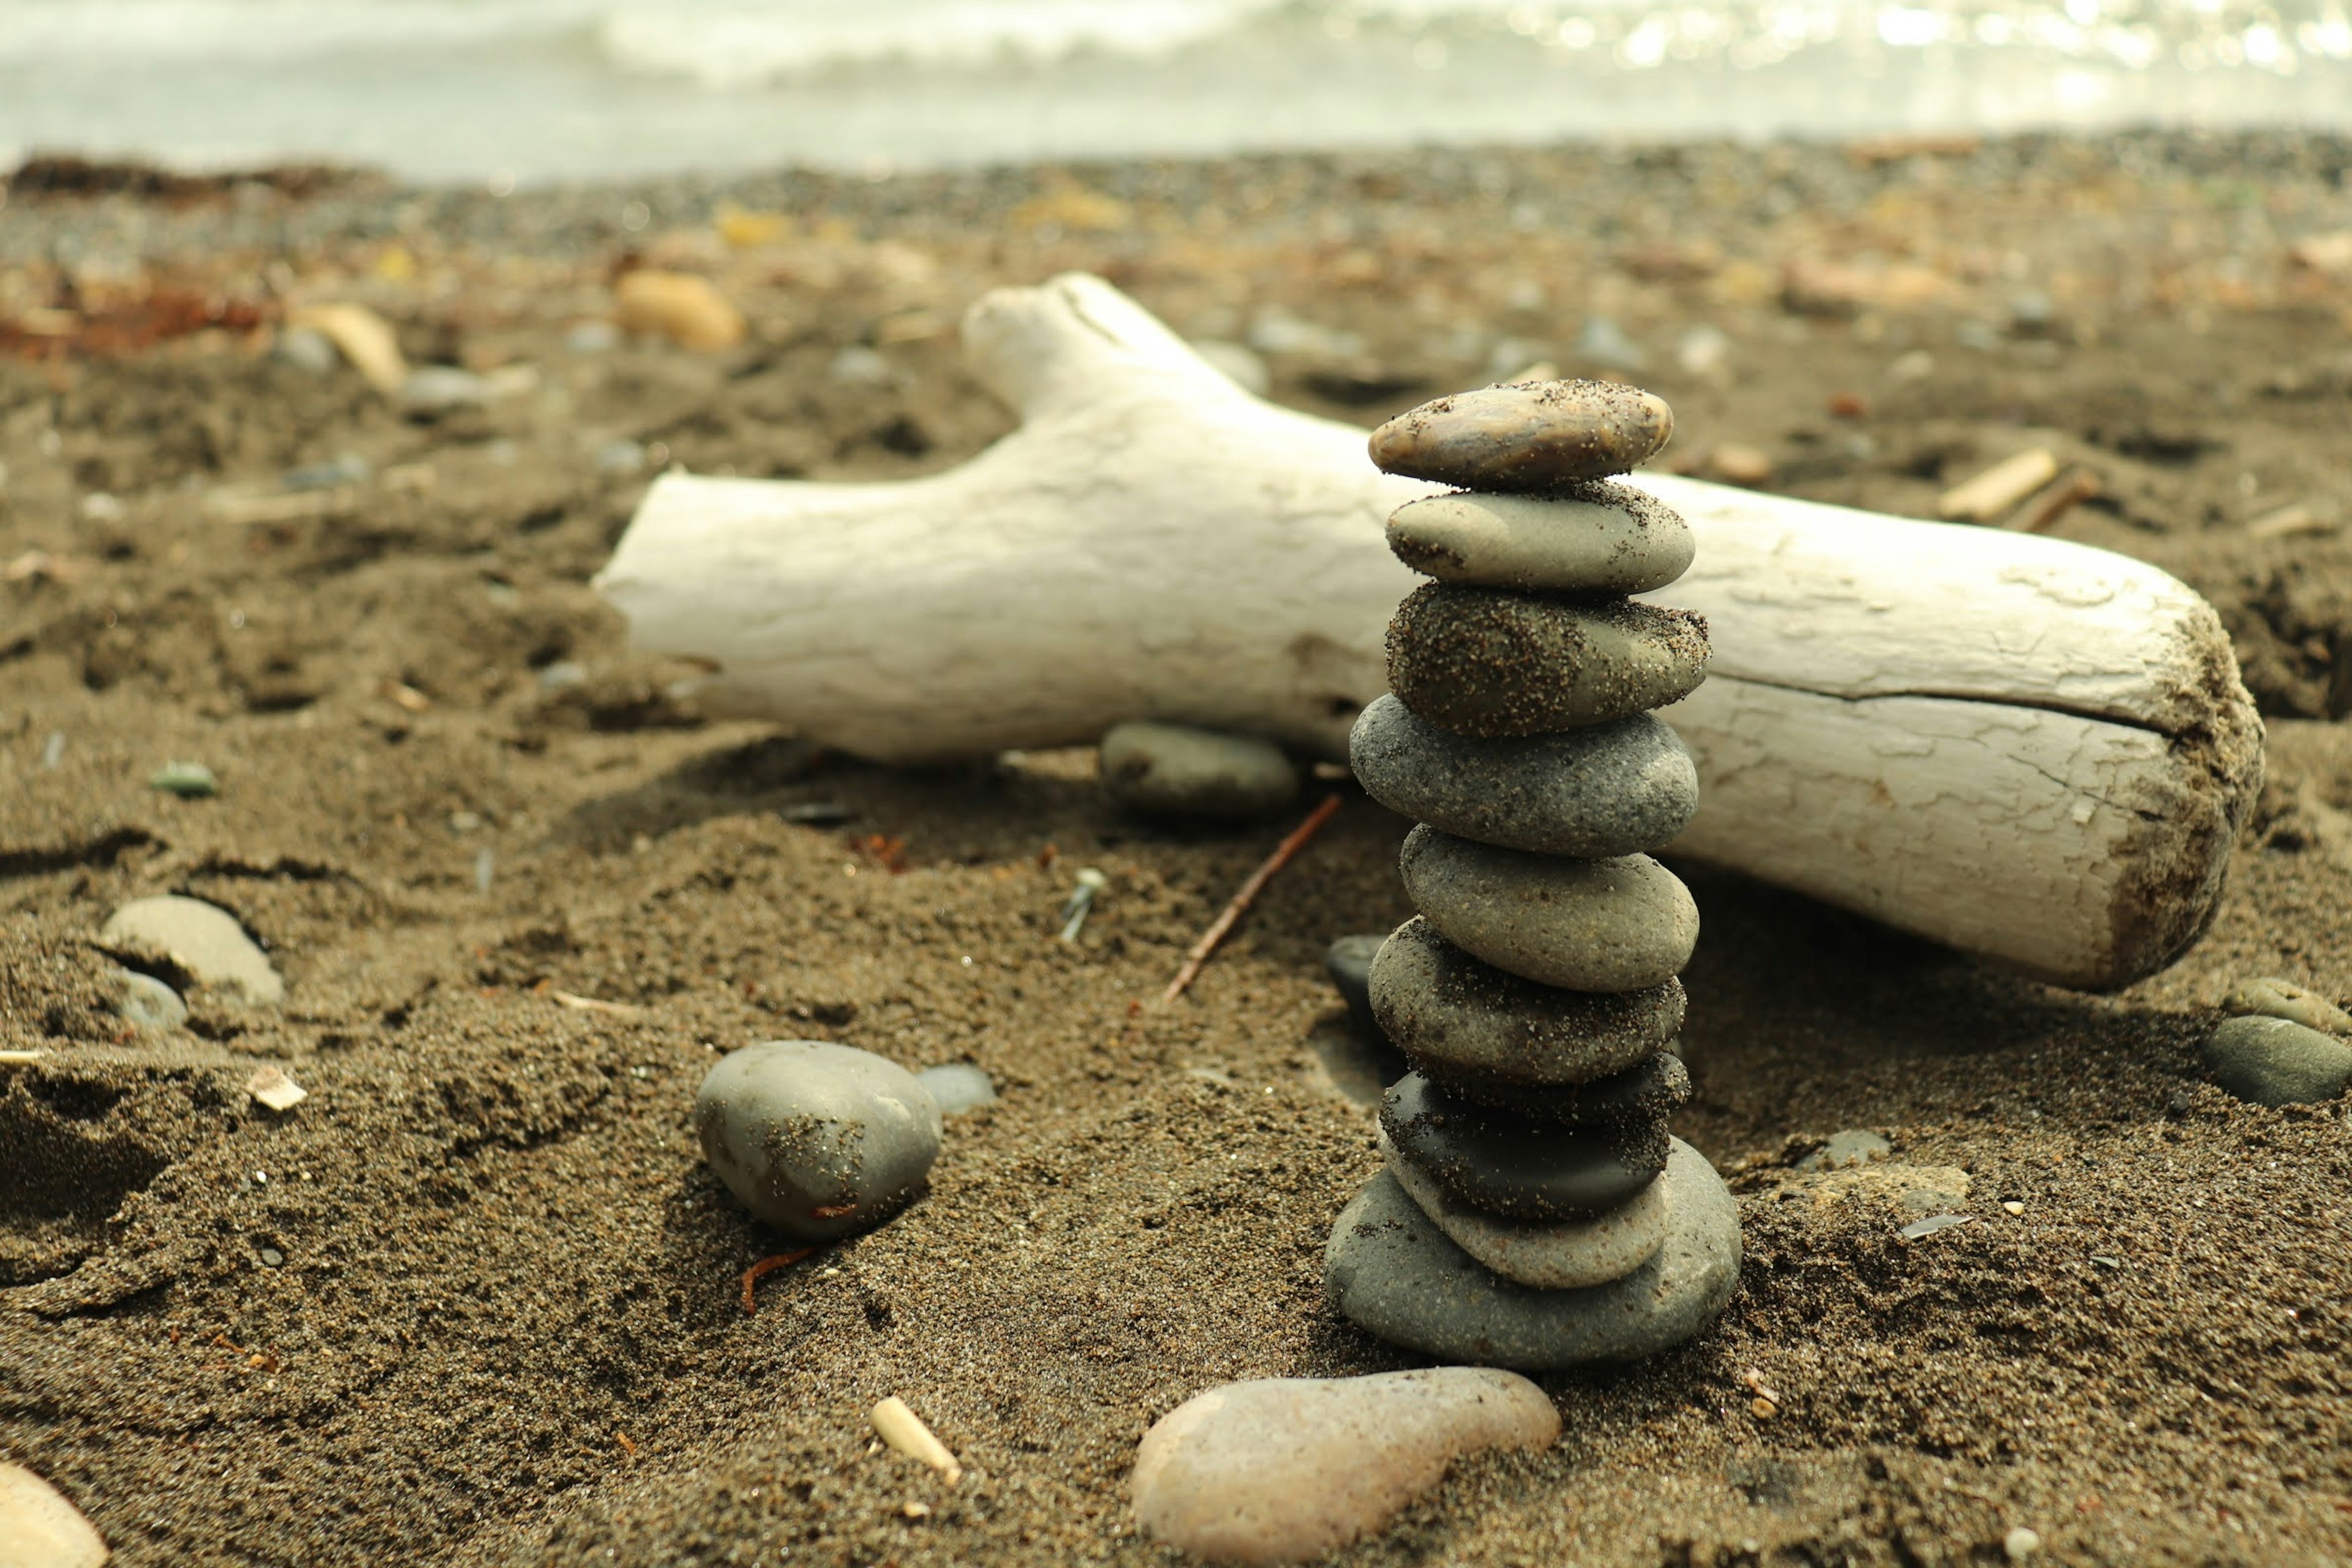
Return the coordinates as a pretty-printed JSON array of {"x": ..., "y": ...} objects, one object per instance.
[
  {"x": 1393, "y": 1272},
  {"x": 1610, "y": 789},
  {"x": 1526, "y": 436},
  {"x": 2273, "y": 1061},
  {"x": 1174, "y": 771},
  {"x": 819, "y": 1139},
  {"x": 1514, "y": 1166},
  {"x": 1621, "y": 925},
  {"x": 1569, "y": 1255},
  {"x": 1481, "y": 662},
  {"x": 1462, "y": 1018},
  {"x": 1590, "y": 538},
  {"x": 1644, "y": 1094}
]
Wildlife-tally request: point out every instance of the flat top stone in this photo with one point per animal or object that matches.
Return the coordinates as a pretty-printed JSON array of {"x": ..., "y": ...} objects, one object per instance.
[
  {"x": 1517, "y": 1166},
  {"x": 1481, "y": 662},
  {"x": 817, "y": 1138},
  {"x": 203, "y": 940},
  {"x": 1592, "y": 537},
  {"x": 1526, "y": 436},
  {"x": 1610, "y": 789},
  {"x": 1283, "y": 1470}
]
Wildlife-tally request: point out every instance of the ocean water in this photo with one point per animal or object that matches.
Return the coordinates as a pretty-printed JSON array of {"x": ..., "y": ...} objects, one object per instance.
[{"x": 540, "y": 90}]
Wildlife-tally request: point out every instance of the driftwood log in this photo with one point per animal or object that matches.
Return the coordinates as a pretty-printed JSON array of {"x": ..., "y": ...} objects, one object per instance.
[{"x": 2036, "y": 752}]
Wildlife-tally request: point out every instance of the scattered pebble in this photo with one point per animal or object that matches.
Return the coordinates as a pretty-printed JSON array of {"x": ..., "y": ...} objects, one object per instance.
[
  {"x": 1168, "y": 769},
  {"x": 1604, "y": 789},
  {"x": 1704, "y": 351},
  {"x": 1528, "y": 435},
  {"x": 1606, "y": 345},
  {"x": 957, "y": 1086},
  {"x": 819, "y": 1139},
  {"x": 202, "y": 939},
  {"x": 1615, "y": 925},
  {"x": 1736, "y": 463},
  {"x": 39, "y": 1529},
  {"x": 858, "y": 366},
  {"x": 272, "y": 1088},
  {"x": 1348, "y": 962},
  {"x": 271, "y": 1257},
  {"x": 1281, "y": 1470},
  {"x": 99, "y": 506},
  {"x": 1488, "y": 663},
  {"x": 439, "y": 388},
  {"x": 591, "y": 337},
  {"x": 1848, "y": 1146},
  {"x": 2284, "y": 999},
  {"x": 147, "y": 1003},
  {"x": 189, "y": 781},
  {"x": 2272, "y": 1061},
  {"x": 686, "y": 308},
  {"x": 1239, "y": 363},
  {"x": 2011, "y": 1207},
  {"x": 361, "y": 337},
  {"x": 564, "y": 672},
  {"x": 1596, "y": 537},
  {"x": 1932, "y": 1223},
  {"x": 307, "y": 349},
  {"x": 2021, "y": 1544},
  {"x": 348, "y": 469},
  {"x": 53, "y": 751}
]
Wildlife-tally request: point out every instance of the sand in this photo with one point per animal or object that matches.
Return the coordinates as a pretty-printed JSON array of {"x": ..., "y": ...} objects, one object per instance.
[{"x": 505, "y": 1322}]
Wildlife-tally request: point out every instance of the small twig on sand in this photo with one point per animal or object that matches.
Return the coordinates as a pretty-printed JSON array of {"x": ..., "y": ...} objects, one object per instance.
[
  {"x": 2054, "y": 501},
  {"x": 752, "y": 1276},
  {"x": 1284, "y": 853}
]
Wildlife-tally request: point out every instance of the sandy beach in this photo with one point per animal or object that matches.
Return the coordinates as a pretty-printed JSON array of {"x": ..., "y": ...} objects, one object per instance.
[{"x": 478, "y": 1300}]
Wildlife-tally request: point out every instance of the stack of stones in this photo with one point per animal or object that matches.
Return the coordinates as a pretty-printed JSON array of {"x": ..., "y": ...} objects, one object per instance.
[{"x": 1535, "y": 1212}]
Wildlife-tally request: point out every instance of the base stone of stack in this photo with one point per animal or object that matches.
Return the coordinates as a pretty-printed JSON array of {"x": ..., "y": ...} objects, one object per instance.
[{"x": 1391, "y": 1270}]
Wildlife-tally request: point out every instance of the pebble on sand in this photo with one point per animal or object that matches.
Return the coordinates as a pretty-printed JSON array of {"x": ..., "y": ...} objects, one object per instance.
[
  {"x": 189, "y": 781},
  {"x": 146, "y": 1002},
  {"x": 1280, "y": 1470},
  {"x": 1623, "y": 925},
  {"x": 201, "y": 939},
  {"x": 39, "y": 1529},
  {"x": 1528, "y": 435},
  {"x": 1172, "y": 770},
  {"x": 2276, "y": 998},
  {"x": 1595, "y": 538},
  {"x": 958, "y": 1087},
  {"x": 818, "y": 1140},
  {"x": 1482, "y": 662},
  {"x": 686, "y": 308},
  {"x": 2272, "y": 1061}
]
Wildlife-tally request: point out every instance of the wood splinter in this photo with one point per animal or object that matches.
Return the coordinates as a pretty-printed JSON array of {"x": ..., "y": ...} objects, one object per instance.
[
  {"x": 904, "y": 1430},
  {"x": 767, "y": 1266},
  {"x": 1284, "y": 853}
]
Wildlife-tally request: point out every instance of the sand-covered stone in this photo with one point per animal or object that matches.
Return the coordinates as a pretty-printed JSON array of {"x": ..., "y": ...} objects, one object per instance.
[
  {"x": 1459, "y": 1016},
  {"x": 1484, "y": 662},
  {"x": 1529, "y": 435},
  {"x": 1562, "y": 1254},
  {"x": 1176, "y": 771},
  {"x": 1283, "y": 1470},
  {"x": 1393, "y": 1272},
  {"x": 1608, "y": 789},
  {"x": 1622, "y": 924},
  {"x": 2272, "y": 1061},
  {"x": 39, "y": 1529},
  {"x": 818, "y": 1140},
  {"x": 199, "y": 940},
  {"x": 1514, "y": 1166},
  {"x": 1590, "y": 538}
]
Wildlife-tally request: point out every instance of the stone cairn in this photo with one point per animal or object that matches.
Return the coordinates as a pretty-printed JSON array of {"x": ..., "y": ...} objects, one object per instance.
[{"x": 1535, "y": 1212}]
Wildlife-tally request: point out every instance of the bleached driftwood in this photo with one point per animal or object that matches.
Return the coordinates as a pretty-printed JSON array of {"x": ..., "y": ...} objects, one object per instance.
[{"x": 2036, "y": 752}]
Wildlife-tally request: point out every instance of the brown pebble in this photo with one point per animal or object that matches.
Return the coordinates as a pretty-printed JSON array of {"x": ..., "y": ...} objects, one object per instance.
[
  {"x": 1480, "y": 662},
  {"x": 1526, "y": 435}
]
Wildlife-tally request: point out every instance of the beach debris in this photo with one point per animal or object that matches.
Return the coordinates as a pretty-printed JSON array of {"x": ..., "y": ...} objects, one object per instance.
[
  {"x": 1348, "y": 962},
  {"x": 900, "y": 1427},
  {"x": 147, "y": 1003},
  {"x": 684, "y": 307},
  {"x": 189, "y": 781},
  {"x": 2011, "y": 1208},
  {"x": 1175, "y": 771},
  {"x": 1090, "y": 884},
  {"x": 1279, "y": 1470},
  {"x": 591, "y": 1005},
  {"x": 958, "y": 1087},
  {"x": 39, "y": 1529},
  {"x": 1545, "y": 1216},
  {"x": 1999, "y": 489},
  {"x": 243, "y": 506},
  {"x": 816, "y": 1138},
  {"x": 432, "y": 389},
  {"x": 2275, "y": 998},
  {"x": 767, "y": 1266},
  {"x": 1932, "y": 1223},
  {"x": 818, "y": 813},
  {"x": 187, "y": 936},
  {"x": 2289, "y": 521},
  {"x": 592, "y": 337},
  {"x": 2329, "y": 253},
  {"x": 2273, "y": 1061},
  {"x": 1247, "y": 895},
  {"x": 2054, "y": 500},
  {"x": 2021, "y": 1544},
  {"x": 20, "y": 1058},
  {"x": 1245, "y": 589},
  {"x": 270, "y": 1086},
  {"x": 53, "y": 751},
  {"x": 364, "y": 338}
]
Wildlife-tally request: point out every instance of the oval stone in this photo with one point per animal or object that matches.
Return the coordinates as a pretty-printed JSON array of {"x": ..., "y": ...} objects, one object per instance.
[
  {"x": 1394, "y": 1273},
  {"x": 819, "y": 1139},
  {"x": 1610, "y": 789},
  {"x": 1567, "y": 1254},
  {"x": 1285, "y": 1470},
  {"x": 1526, "y": 436},
  {"x": 2272, "y": 1061},
  {"x": 1590, "y": 538},
  {"x": 1480, "y": 661},
  {"x": 200, "y": 940},
  {"x": 1646, "y": 1093},
  {"x": 1460, "y": 1016},
  {"x": 1173, "y": 770},
  {"x": 1510, "y": 1165},
  {"x": 1622, "y": 924}
]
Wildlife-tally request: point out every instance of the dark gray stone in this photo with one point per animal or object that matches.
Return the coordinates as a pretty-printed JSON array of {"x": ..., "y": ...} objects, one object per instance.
[
  {"x": 1530, "y": 436},
  {"x": 1392, "y": 1271},
  {"x": 1348, "y": 962},
  {"x": 1648, "y": 1091},
  {"x": 1461, "y": 1017},
  {"x": 1611, "y": 789},
  {"x": 1623, "y": 925},
  {"x": 1514, "y": 1166},
  {"x": 1483, "y": 662},
  {"x": 2270, "y": 1061},
  {"x": 1555, "y": 1255},
  {"x": 818, "y": 1140},
  {"x": 1594, "y": 538}
]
